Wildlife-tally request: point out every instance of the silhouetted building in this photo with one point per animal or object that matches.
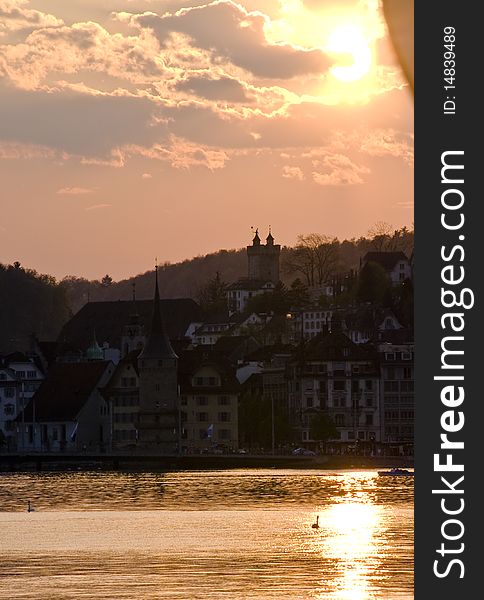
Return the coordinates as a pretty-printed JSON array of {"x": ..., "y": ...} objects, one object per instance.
[
  {"x": 263, "y": 273},
  {"x": 264, "y": 259},
  {"x": 158, "y": 425},
  {"x": 68, "y": 411}
]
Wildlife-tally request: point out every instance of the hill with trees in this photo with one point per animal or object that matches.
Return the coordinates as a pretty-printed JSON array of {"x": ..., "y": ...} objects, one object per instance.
[{"x": 35, "y": 303}]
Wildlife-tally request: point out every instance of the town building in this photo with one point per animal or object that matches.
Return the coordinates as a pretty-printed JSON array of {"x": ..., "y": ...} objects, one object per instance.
[
  {"x": 20, "y": 377},
  {"x": 68, "y": 412},
  {"x": 122, "y": 392},
  {"x": 158, "y": 424},
  {"x": 262, "y": 277},
  {"x": 397, "y": 392},
  {"x": 333, "y": 376},
  {"x": 396, "y": 265},
  {"x": 209, "y": 394}
]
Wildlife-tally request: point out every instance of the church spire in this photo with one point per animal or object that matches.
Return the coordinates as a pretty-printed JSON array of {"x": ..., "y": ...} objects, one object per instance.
[{"x": 158, "y": 344}]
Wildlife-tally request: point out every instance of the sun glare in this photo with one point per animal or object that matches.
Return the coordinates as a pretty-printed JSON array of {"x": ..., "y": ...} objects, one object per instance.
[{"x": 350, "y": 41}]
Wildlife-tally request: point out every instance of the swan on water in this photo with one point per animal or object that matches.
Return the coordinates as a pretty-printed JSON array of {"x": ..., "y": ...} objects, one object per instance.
[
  {"x": 30, "y": 508},
  {"x": 316, "y": 525}
]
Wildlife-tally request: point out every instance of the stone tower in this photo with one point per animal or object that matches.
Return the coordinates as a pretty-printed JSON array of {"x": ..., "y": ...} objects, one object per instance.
[
  {"x": 264, "y": 259},
  {"x": 158, "y": 387}
]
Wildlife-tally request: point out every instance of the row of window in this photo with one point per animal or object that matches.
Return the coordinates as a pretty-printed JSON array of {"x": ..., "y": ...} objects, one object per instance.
[
  {"x": 126, "y": 401},
  {"x": 203, "y": 417},
  {"x": 393, "y": 373},
  {"x": 402, "y": 415},
  {"x": 396, "y": 356},
  {"x": 221, "y": 434},
  {"x": 398, "y": 386},
  {"x": 21, "y": 375},
  {"x": 204, "y": 400},
  {"x": 340, "y": 420},
  {"x": 402, "y": 401}
]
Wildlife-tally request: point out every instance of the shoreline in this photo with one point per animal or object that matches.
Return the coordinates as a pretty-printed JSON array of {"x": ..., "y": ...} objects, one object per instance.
[{"x": 151, "y": 462}]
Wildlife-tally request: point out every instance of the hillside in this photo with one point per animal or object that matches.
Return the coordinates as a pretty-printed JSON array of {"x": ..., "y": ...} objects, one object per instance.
[{"x": 34, "y": 303}]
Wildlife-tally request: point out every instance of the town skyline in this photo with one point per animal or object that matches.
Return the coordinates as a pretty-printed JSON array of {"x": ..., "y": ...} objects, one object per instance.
[{"x": 139, "y": 122}]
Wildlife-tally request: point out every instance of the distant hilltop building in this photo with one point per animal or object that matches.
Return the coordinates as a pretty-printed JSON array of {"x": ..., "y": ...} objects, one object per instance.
[
  {"x": 264, "y": 259},
  {"x": 263, "y": 273}
]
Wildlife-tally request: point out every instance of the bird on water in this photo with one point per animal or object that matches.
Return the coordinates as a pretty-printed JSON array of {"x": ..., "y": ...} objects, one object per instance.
[{"x": 316, "y": 525}]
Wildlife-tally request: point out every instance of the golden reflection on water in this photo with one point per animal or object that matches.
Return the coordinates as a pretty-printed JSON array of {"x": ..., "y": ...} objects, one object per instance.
[{"x": 238, "y": 535}]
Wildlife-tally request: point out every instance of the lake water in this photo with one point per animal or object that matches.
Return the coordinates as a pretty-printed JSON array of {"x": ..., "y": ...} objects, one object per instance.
[{"x": 218, "y": 535}]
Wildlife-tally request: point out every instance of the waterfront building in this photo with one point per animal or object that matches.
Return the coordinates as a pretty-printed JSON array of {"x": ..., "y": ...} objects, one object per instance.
[
  {"x": 209, "y": 394},
  {"x": 122, "y": 392},
  {"x": 68, "y": 411},
  {"x": 158, "y": 424},
  {"x": 333, "y": 376},
  {"x": 20, "y": 377},
  {"x": 397, "y": 392}
]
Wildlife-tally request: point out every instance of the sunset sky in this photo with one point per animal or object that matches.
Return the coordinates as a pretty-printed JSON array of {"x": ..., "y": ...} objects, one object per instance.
[{"x": 131, "y": 129}]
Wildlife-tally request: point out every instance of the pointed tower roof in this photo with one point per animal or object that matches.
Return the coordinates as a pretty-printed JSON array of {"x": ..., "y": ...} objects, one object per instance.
[
  {"x": 134, "y": 318},
  {"x": 270, "y": 238},
  {"x": 256, "y": 240},
  {"x": 94, "y": 352},
  {"x": 158, "y": 344}
]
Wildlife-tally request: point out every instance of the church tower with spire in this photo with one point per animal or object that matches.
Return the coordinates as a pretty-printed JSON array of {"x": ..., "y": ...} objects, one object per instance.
[
  {"x": 264, "y": 259},
  {"x": 158, "y": 387},
  {"x": 133, "y": 333}
]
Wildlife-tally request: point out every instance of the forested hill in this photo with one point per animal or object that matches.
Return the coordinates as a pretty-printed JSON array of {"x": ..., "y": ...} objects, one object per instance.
[{"x": 34, "y": 303}]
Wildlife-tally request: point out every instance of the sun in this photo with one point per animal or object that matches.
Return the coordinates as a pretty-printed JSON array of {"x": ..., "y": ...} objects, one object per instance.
[{"x": 350, "y": 40}]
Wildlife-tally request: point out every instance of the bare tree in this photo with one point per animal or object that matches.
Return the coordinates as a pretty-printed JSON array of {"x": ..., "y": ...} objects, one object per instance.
[
  {"x": 315, "y": 257},
  {"x": 380, "y": 235},
  {"x": 384, "y": 238}
]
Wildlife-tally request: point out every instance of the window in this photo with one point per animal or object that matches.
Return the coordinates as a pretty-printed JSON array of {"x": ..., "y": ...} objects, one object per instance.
[
  {"x": 389, "y": 355},
  {"x": 361, "y": 435},
  {"x": 339, "y": 385},
  {"x": 202, "y": 401},
  {"x": 202, "y": 417},
  {"x": 309, "y": 402},
  {"x": 225, "y": 434},
  {"x": 31, "y": 374},
  {"x": 369, "y": 402},
  {"x": 351, "y": 435},
  {"x": 223, "y": 401},
  {"x": 369, "y": 420},
  {"x": 339, "y": 420},
  {"x": 369, "y": 385},
  {"x": 224, "y": 416},
  {"x": 9, "y": 409},
  {"x": 183, "y": 400},
  {"x": 9, "y": 392},
  {"x": 391, "y": 386},
  {"x": 407, "y": 372},
  {"x": 406, "y": 386}
]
